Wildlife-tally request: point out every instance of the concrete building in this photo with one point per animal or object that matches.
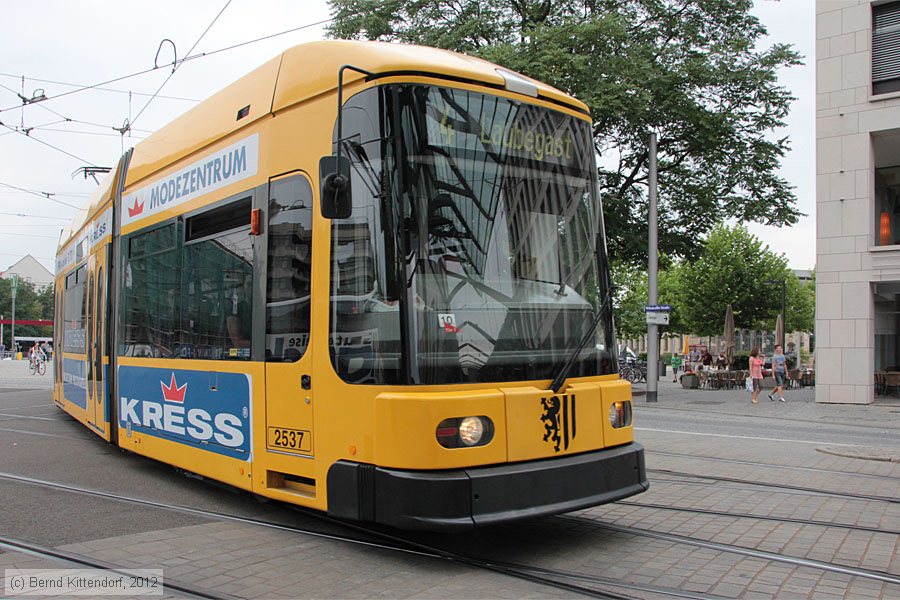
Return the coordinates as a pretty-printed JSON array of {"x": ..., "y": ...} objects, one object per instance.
[
  {"x": 857, "y": 196},
  {"x": 30, "y": 270}
]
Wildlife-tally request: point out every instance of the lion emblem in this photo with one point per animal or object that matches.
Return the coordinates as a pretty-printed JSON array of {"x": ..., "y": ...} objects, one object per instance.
[{"x": 558, "y": 419}]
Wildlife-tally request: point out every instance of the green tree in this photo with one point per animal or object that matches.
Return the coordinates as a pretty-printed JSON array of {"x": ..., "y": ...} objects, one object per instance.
[
  {"x": 631, "y": 298},
  {"x": 732, "y": 269},
  {"x": 30, "y": 304},
  {"x": 689, "y": 70}
]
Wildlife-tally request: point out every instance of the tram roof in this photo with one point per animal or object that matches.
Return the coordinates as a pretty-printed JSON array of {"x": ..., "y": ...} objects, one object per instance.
[
  {"x": 301, "y": 73},
  {"x": 298, "y": 74}
]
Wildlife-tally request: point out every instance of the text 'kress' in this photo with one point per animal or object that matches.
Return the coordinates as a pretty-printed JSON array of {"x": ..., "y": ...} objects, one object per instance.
[{"x": 207, "y": 410}]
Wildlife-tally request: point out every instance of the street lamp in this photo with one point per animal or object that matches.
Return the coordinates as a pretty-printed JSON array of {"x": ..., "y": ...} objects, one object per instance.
[{"x": 783, "y": 284}]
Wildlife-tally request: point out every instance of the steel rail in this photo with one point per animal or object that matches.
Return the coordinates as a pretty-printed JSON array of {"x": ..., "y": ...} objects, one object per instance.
[
  {"x": 723, "y": 513},
  {"x": 80, "y": 560},
  {"x": 400, "y": 544},
  {"x": 771, "y": 465},
  {"x": 779, "y": 486},
  {"x": 734, "y": 549}
]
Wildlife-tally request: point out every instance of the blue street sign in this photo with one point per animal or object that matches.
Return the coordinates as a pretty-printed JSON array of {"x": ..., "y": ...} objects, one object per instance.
[{"x": 650, "y": 308}]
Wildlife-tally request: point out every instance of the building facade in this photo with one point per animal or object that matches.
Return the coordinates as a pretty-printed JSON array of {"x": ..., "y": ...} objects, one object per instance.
[
  {"x": 857, "y": 196},
  {"x": 30, "y": 270}
]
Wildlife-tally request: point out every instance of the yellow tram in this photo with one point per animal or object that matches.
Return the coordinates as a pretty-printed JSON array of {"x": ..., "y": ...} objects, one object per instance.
[{"x": 411, "y": 327}]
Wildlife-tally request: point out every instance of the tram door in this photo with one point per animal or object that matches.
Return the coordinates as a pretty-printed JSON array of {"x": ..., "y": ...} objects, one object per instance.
[
  {"x": 96, "y": 350},
  {"x": 290, "y": 439}
]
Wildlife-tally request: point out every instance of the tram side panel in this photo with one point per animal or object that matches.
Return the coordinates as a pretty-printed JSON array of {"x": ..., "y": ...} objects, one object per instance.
[{"x": 190, "y": 387}]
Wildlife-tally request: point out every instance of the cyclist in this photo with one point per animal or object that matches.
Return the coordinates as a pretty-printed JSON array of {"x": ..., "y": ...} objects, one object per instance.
[{"x": 37, "y": 355}]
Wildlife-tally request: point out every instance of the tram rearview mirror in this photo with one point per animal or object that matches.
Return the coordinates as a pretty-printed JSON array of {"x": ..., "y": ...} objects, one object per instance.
[{"x": 334, "y": 183}]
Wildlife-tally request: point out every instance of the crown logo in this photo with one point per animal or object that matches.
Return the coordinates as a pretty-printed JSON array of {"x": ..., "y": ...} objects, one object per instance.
[
  {"x": 172, "y": 392},
  {"x": 137, "y": 209}
]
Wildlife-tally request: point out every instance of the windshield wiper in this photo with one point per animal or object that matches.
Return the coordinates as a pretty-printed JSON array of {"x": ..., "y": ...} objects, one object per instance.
[{"x": 563, "y": 373}]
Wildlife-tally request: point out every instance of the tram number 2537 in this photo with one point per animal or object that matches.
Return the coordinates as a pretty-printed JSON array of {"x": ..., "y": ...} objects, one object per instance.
[{"x": 289, "y": 439}]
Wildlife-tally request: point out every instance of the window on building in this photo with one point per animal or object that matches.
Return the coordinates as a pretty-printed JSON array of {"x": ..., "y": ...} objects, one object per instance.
[
  {"x": 887, "y": 206},
  {"x": 887, "y": 326},
  {"x": 289, "y": 267},
  {"x": 886, "y": 48}
]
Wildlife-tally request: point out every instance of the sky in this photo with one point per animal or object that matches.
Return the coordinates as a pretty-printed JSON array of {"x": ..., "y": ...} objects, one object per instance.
[{"x": 61, "y": 46}]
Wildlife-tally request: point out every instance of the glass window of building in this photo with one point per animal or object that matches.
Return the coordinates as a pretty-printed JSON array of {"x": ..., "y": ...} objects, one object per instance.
[
  {"x": 885, "y": 48},
  {"x": 887, "y": 206}
]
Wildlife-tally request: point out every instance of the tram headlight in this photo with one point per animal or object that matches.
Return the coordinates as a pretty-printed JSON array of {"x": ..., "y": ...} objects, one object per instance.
[
  {"x": 463, "y": 432},
  {"x": 620, "y": 414},
  {"x": 470, "y": 430}
]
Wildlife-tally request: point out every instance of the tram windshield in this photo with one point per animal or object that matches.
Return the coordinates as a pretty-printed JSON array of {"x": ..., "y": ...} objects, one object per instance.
[{"x": 471, "y": 255}]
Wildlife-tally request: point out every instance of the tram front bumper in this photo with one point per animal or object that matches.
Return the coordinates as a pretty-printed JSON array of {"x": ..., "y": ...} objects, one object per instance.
[{"x": 464, "y": 498}]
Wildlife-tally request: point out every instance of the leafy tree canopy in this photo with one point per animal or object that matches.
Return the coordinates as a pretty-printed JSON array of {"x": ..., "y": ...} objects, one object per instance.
[
  {"x": 689, "y": 70},
  {"x": 732, "y": 268},
  {"x": 631, "y": 297},
  {"x": 30, "y": 304}
]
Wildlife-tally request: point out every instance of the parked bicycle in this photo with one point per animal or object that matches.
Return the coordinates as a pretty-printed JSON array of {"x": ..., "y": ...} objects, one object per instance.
[{"x": 633, "y": 373}]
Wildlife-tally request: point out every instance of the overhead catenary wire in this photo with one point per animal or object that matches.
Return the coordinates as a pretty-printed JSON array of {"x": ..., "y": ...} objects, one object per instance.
[
  {"x": 30, "y": 235},
  {"x": 19, "y": 254},
  {"x": 65, "y": 119},
  {"x": 46, "y": 195},
  {"x": 34, "y": 217},
  {"x": 47, "y": 144},
  {"x": 101, "y": 89},
  {"x": 175, "y": 66},
  {"x": 69, "y": 194},
  {"x": 96, "y": 133},
  {"x": 185, "y": 59}
]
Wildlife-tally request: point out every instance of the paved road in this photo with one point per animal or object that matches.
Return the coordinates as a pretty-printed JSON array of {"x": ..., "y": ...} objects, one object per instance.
[
  {"x": 37, "y": 440},
  {"x": 729, "y": 413}
]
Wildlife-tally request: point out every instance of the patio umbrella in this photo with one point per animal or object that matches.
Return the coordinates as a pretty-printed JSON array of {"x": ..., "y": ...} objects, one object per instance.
[
  {"x": 779, "y": 329},
  {"x": 729, "y": 335}
]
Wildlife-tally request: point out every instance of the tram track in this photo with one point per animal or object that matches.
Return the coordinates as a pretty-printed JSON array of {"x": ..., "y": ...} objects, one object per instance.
[
  {"x": 73, "y": 559},
  {"x": 735, "y": 549},
  {"x": 720, "y": 513},
  {"x": 788, "y": 488},
  {"x": 544, "y": 576},
  {"x": 773, "y": 465}
]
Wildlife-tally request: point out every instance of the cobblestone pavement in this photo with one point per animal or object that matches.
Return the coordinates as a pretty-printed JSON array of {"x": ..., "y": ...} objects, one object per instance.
[{"x": 699, "y": 470}]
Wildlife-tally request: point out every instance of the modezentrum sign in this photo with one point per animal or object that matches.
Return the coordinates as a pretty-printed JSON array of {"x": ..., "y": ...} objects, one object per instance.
[{"x": 229, "y": 165}]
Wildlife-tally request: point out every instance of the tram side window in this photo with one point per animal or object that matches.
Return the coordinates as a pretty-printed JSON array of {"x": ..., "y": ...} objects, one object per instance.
[
  {"x": 289, "y": 267},
  {"x": 218, "y": 284},
  {"x": 74, "y": 307},
  {"x": 152, "y": 293}
]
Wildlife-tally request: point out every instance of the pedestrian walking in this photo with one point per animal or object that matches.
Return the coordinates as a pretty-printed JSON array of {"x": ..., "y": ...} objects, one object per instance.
[
  {"x": 676, "y": 364},
  {"x": 695, "y": 358},
  {"x": 756, "y": 375},
  {"x": 779, "y": 373}
]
